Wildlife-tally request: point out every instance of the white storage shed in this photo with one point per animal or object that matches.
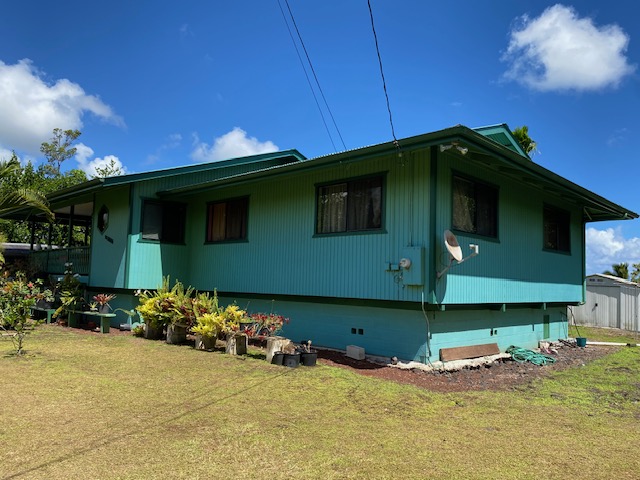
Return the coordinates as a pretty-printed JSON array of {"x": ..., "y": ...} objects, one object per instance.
[{"x": 610, "y": 302}]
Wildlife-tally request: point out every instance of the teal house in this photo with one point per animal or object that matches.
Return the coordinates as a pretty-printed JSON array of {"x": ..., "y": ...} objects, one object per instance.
[{"x": 352, "y": 246}]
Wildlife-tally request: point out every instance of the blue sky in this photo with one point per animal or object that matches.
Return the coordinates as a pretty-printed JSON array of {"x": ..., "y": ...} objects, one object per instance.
[{"x": 156, "y": 84}]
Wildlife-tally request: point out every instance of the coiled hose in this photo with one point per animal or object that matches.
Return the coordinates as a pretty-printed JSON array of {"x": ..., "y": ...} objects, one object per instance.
[{"x": 522, "y": 355}]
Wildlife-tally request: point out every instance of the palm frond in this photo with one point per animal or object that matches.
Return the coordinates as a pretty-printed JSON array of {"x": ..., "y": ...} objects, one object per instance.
[{"x": 10, "y": 200}]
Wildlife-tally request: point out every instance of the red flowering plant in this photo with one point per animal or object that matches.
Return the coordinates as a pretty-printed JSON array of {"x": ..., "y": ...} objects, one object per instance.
[
  {"x": 266, "y": 324},
  {"x": 103, "y": 299}
]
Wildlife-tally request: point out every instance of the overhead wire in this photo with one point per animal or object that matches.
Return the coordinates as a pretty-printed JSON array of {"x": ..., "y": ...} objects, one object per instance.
[
  {"x": 284, "y": 17},
  {"x": 384, "y": 83},
  {"x": 313, "y": 71}
]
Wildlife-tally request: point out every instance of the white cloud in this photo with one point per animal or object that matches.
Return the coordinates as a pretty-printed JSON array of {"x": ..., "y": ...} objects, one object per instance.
[
  {"x": 172, "y": 141},
  {"x": 5, "y": 154},
  {"x": 560, "y": 51},
  {"x": 606, "y": 247},
  {"x": 618, "y": 136},
  {"x": 233, "y": 144},
  {"x": 30, "y": 108},
  {"x": 84, "y": 153}
]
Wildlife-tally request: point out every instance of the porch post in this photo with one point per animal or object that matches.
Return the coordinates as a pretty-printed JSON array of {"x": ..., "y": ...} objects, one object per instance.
[
  {"x": 70, "y": 233},
  {"x": 33, "y": 233}
]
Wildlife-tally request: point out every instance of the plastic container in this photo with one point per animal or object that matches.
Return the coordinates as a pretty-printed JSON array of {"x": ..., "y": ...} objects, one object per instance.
[
  {"x": 278, "y": 358},
  {"x": 308, "y": 359},
  {"x": 291, "y": 360},
  {"x": 581, "y": 342}
]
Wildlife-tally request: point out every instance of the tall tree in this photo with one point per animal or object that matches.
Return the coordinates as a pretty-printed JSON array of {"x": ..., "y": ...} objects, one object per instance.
[
  {"x": 59, "y": 149},
  {"x": 620, "y": 270},
  {"x": 521, "y": 134},
  {"x": 11, "y": 198},
  {"x": 110, "y": 169},
  {"x": 635, "y": 275}
]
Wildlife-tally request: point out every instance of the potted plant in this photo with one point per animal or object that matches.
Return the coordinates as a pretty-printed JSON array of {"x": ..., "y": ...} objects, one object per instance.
[
  {"x": 291, "y": 357},
  {"x": 183, "y": 314},
  {"x": 102, "y": 300},
  {"x": 71, "y": 297},
  {"x": 266, "y": 324},
  {"x": 207, "y": 328},
  {"x": 156, "y": 309},
  {"x": 236, "y": 340},
  {"x": 308, "y": 356}
]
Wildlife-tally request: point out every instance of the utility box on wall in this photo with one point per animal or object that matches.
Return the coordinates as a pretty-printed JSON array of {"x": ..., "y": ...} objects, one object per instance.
[{"x": 414, "y": 275}]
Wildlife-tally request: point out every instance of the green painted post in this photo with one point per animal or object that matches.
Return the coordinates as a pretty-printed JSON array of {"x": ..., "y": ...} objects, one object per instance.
[{"x": 105, "y": 324}]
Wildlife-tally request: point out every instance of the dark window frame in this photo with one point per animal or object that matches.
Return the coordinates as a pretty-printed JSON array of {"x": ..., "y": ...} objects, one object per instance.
[
  {"x": 229, "y": 205},
  {"x": 556, "y": 229},
  {"x": 171, "y": 224},
  {"x": 483, "y": 219},
  {"x": 353, "y": 224}
]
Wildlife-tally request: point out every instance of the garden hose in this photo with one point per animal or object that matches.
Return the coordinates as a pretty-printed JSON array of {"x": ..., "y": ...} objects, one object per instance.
[{"x": 522, "y": 355}]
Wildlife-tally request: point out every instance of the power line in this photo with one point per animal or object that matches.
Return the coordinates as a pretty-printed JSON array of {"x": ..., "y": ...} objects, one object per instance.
[
  {"x": 384, "y": 83},
  {"x": 284, "y": 17},
  {"x": 314, "y": 74}
]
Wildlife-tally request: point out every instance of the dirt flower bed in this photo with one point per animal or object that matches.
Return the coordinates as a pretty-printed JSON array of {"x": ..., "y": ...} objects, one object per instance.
[
  {"x": 501, "y": 375},
  {"x": 505, "y": 374}
]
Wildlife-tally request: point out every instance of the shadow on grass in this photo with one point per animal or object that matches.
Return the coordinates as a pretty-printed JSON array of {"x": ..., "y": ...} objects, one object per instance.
[{"x": 78, "y": 452}]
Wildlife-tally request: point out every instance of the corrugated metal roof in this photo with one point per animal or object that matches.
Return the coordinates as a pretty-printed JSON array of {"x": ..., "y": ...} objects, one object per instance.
[
  {"x": 491, "y": 146},
  {"x": 482, "y": 149},
  {"x": 613, "y": 278}
]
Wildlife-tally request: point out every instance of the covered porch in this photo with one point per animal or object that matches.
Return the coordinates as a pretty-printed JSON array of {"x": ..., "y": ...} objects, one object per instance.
[{"x": 63, "y": 244}]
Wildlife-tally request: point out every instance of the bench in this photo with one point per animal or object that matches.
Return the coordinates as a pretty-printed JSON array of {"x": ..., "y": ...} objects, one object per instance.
[
  {"x": 105, "y": 318},
  {"x": 48, "y": 311}
]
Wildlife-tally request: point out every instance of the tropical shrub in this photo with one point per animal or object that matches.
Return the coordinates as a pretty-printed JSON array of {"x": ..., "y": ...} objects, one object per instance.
[{"x": 17, "y": 296}]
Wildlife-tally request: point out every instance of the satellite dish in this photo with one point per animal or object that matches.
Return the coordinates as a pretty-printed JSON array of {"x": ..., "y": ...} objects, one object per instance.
[
  {"x": 452, "y": 245},
  {"x": 455, "y": 252}
]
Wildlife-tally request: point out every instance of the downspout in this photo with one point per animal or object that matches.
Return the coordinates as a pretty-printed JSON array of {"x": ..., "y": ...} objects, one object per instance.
[
  {"x": 433, "y": 185},
  {"x": 584, "y": 262},
  {"x": 431, "y": 264}
]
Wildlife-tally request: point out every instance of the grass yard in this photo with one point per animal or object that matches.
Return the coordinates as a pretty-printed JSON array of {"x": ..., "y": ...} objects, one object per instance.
[
  {"x": 82, "y": 406},
  {"x": 604, "y": 334}
]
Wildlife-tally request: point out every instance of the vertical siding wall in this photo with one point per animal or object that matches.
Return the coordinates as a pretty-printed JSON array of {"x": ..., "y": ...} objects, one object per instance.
[
  {"x": 514, "y": 267},
  {"x": 284, "y": 256},
  {"x": 402, "y": 333},
  {"x": 149, "y": 261},
  {"x": 108, "y": 249}
]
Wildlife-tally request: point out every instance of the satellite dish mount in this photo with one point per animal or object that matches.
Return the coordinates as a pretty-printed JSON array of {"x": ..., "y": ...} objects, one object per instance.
[{"x": 455, "y": 252}]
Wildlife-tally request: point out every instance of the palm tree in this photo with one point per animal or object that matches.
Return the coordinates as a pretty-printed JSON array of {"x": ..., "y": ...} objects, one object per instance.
[
  {"x": 521, "y": 134},
  {"x": 619, "y": 270},
  {"x": 11, "y": 198}
]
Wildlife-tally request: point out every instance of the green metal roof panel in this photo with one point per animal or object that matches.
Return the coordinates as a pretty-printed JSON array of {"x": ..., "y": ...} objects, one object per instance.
[
  {"x": 502, "y": 135},
  {"x": 482, "y": 148},
  {"x": 248, "y": 163}
]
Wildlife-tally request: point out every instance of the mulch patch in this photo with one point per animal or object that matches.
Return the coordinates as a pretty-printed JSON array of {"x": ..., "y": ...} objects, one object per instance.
[{"x": 505, "y": 374}]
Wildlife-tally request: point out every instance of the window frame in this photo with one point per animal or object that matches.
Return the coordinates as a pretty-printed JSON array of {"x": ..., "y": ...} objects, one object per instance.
[
  {"x": 382, "y": 177},
  {"x": 487, "y": 187},
  {"x": 165, "y": 206},
  {"x": 245, "y": 223},
  {"x": 562, "y": 218}
]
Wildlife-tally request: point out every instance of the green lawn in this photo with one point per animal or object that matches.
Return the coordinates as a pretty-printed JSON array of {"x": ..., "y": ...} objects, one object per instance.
[
  {"x": 604, "y": 334},
  {"x": 118, "y": 407}
]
